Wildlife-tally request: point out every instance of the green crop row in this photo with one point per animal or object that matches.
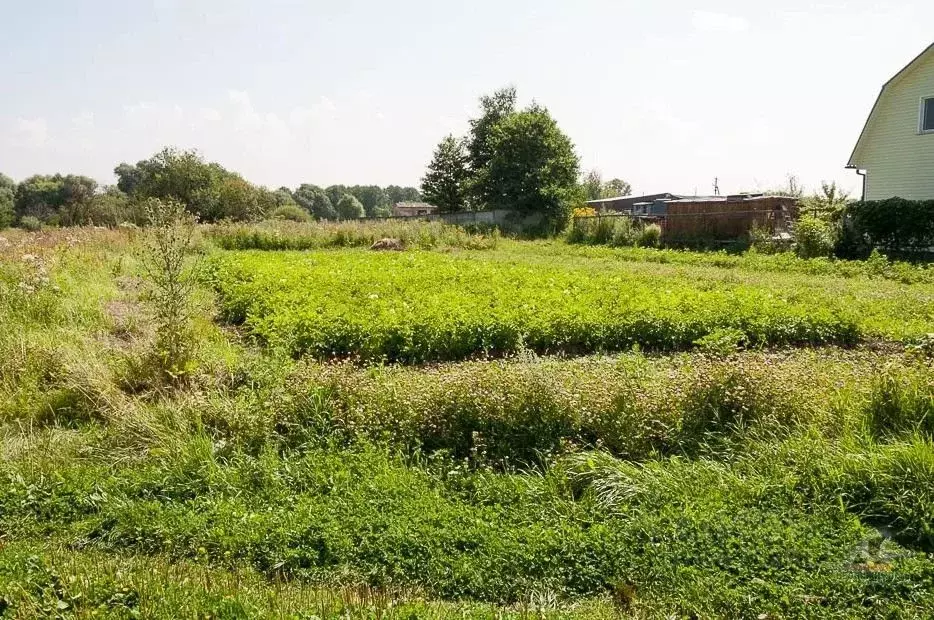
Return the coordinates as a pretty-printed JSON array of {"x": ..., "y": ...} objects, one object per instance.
[{"x": 417, "y": 307}]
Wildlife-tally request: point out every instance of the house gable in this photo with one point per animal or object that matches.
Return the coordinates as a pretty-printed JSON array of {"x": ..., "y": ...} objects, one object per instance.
[
  {"x": 925, "y": 58},
  {"x": 893, "y": 147}
]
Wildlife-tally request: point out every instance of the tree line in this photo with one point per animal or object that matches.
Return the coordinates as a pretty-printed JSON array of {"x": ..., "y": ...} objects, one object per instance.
[
  {"x": 206, "y": 189},
  {"x": 513, "y": 159}
]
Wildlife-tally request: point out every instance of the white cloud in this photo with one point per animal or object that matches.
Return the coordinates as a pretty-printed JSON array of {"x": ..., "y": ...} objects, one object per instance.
[
  {"x": 30, "y": 132},
  {"x": 709, "y": 21},
  {"x": 324, "y": 109},
  {"x": 210, "y": 114}
]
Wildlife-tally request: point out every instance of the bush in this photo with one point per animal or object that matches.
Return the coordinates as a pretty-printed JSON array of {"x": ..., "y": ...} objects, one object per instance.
[
  {"x": 30, "y": 223},
  {"x": 612, "y": 230},
  {"x": 814, "y": 237},
  {"x": 650, "y": 236},
  {"x": 894, "y": 225},
  {"x": 170, "y": 285},
  {"x": 291, "y": 213}
]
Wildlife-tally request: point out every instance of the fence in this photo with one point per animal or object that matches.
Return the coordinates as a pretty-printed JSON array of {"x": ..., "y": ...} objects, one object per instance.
[
  {"x": 718, "y": 221},
  {"x": 728, "y": 219}
]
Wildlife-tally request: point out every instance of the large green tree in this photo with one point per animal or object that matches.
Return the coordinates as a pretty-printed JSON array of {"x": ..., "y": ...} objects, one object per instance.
[
  {"x": 446, "y": 181},
  {"x": 533, "y": 168},
  {"x": 207, "y": 189},
  {"x": 349, "y": 208},
  {"x": 398, "y": 194},
  {"x": 592, "y": 184},
  {"x": 7, "y": 199},
  {"x": 374, "y": 199},
  {"x": 494, "y": 109},
  {"x": 55, "y": 197},
  {"x": 314, "y": 200},
  {"x": 616, "y": 187},
  {"x": 335, "y": 193}
]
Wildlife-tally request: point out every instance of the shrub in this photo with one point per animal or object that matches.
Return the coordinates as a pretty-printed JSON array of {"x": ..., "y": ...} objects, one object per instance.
[
  {"x": 814, "y": 237},
  {"x": 170, "y": 285},
  {"x": 650, "y": 236},
  {"x": 611, "y": 230},
  {"x": 292, "y": 213},
  {"x": 894, "y": 225},
  {"x": 30, "y": 223}
]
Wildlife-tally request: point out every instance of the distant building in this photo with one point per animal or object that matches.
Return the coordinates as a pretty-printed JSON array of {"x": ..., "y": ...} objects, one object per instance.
[
  {"x": 626, "y": 204},
  {"x": 413, "y": 209}
]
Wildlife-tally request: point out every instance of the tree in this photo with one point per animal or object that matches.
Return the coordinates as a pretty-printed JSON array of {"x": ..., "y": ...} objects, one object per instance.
[
  {"x": 446, "y": 181},
  {"x": 283, "y": 197},
  {"x": 313, "y": 199},
  {"x": 616, "y": 187},
  {"x": 533, "y": 168},
  {"x": 374, "y": 199},
  {"x": 7, "y": 196},
  {"x": 349, "y": 208},
  {"x": 77, "y": 201},
  {"x": 592, "y": 185},
  {"x": 335, "y": 193},
  {"x": 398, "y": 194},
  {"x": 128, "y": 178},
  {"x": 494, "y": 108},
  {"x": 207, "y": 190},
  {"x": 237, "y": 198}
]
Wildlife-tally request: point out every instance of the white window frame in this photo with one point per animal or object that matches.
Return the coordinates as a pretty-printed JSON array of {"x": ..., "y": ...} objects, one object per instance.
[{"x": 921, "y": 119}]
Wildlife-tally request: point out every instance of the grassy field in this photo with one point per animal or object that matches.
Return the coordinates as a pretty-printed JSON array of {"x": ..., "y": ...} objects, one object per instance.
[
  {"x": 415, "y": 307},
  {"x": 597, "y": 432}
]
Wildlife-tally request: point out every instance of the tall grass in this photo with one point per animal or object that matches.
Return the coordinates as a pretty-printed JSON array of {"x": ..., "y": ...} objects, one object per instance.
[{"x": 320, "y": 235}]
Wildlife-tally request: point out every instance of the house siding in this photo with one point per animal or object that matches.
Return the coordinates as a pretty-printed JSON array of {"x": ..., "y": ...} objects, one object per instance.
[{"x": 899, "y": 158}]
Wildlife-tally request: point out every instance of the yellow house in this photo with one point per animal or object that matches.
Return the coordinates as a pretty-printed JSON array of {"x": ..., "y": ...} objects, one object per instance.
[{"x": 895, "y": 151}]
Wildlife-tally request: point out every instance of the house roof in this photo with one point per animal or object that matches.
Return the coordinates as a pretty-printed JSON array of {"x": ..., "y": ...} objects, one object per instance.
[
  {"x": 631, "y": 199},
  {"x": 895, "y": 78}
]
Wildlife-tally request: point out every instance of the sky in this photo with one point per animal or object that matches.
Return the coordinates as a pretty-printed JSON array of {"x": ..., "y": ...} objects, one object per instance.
[{"x": 667, "y": 95}]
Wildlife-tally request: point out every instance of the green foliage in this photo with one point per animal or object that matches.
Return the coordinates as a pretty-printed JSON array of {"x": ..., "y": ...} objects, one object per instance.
[
  {"x": 292, "y": 213},
  {"x": 445, "y": 184},
  {"x": 592, "y": 185},
  {"x": 349, "y": 208},
  {"x": 608, "y": 230},
  {"x": 893, "y": 225},
  {"x": 616, "y": 187},
  {"x": 595, "y": 189},
  {"x": 374, "y": 199},
  {"x": 814, "y": 237},
  {"x": 402, "y": 194},
  {"x": 902, "y": 403},
  {"x": 829, "y": 204},
  {"x": 650, "y": 236},
  {"x": 315, "y": 201},
  {"x": 55, "y": 198},
  {"x": 30, "y": 223},
  {"x": 493, "y": 109},
  {"x": 207, "y": 190},
  {"x": 533, "y": 168},
  {"x": 461, "y": 307},
  {"x": 716, "y": 483},
  {"x": 7, "y": 195},
  {"x": 421, "y": 235},
  {"x": 168, "y": 242}
]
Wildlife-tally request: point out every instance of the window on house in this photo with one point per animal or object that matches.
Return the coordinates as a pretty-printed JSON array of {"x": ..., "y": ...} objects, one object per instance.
[{"x": 927, "y": 114}]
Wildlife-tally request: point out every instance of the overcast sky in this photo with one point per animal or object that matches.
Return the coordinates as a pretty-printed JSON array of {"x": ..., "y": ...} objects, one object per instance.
[{"x": 666, "y": 94}]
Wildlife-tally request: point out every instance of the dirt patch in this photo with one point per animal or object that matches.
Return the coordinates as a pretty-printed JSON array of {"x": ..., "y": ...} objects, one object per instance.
[{"x": 388, "y": 244}]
